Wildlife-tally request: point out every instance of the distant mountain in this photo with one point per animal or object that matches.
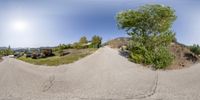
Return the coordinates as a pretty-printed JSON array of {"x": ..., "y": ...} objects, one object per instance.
[{"x": 47, "y": 47}]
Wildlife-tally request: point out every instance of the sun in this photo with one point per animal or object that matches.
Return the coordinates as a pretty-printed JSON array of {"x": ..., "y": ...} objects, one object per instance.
[{"x": 20, "y": 25}]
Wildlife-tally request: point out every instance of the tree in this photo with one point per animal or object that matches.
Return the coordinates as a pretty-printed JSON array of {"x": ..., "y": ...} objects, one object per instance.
[
  {"x": 195, "y": 49},
  {"x": 76, "y": 45},
  {"x": 83, "y": 40},
  {"x": 150, "y": 29},
  {"x": 147, "y": 23},
  {"x": 96, "y": 41},
  {"x": 7, "y": 51}
]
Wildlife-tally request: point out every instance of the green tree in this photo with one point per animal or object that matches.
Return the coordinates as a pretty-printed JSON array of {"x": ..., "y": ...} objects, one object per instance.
[
  {"x": 96, "y": 41},
  {"x": 8, "y": 51},
  {"x": 195, "y": 49},
  {"x": 77, "y": 45},
  {"x": 150, "y": 29},
  {"x": 83, "y": 40}
]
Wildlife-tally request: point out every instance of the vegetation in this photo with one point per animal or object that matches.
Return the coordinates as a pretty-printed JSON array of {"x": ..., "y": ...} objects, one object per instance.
[
  {"x": 77, "y": 45},
  {"x": 96, "y": 41},
  {"x": 62, "y": 54},
  {"x": 75, "y": 54},
  {"x": 83, "y": 40},
  {"x": 6, "y": 52},
  {"x": 195, "y": 49},
  {"x": 84, "y": 43},
  {"x": 61, "y": 47},
  {"x": 150, "y": 31}
]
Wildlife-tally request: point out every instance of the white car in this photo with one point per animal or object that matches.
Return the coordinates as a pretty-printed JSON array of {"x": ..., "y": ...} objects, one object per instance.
[{"x": 11, "y": 56}]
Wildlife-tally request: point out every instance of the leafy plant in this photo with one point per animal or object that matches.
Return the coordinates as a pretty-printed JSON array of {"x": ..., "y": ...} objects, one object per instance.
[
  {"x": 6, "y": 52},
  {"x": 96, "y": 41},
  {"x": 163, "y": 58},
  {"x": 83, "y": 40},
  {"x": 76, "y": 45},
  {"x": 195, "y": 49},
  {"x": 150, "y": 29}
]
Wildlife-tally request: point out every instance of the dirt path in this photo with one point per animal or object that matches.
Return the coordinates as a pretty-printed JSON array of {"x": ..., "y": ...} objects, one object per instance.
[{"x": 104, "y": 75}]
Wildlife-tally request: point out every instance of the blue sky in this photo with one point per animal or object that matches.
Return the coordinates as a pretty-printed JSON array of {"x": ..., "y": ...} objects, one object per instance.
[{"x": 51, "y": 22}]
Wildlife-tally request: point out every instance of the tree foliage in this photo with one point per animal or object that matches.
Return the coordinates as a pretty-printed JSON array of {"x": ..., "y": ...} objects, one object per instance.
[
  {"x": 150, "y": 29},
  {"x": 76, "y": 45},
  {"x": 6, "y": 52},
  {"x": 83, "y": 40},
  {"x": 195, "y": 49},
  {"x": 96, "y": 41}
]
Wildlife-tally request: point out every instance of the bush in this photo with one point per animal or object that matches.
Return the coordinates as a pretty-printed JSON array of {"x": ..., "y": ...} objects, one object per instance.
[
  {"x": 162, "y": 58},
  {"x": 35, "y": 56},
  {"x": 77, "y": 45},
  {"x": 195, "y": 49},
  {"x": 47, "y": 52}
]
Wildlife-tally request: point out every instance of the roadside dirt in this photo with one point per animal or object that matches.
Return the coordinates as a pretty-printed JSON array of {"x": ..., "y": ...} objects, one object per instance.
[{"x": 183, "y": 56}]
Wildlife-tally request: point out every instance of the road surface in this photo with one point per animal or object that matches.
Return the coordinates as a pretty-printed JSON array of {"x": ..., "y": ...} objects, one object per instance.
[{"x": 104, "y": 75}]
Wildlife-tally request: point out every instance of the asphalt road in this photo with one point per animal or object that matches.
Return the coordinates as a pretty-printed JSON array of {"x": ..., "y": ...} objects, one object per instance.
[{"x": 104, "y": 75}]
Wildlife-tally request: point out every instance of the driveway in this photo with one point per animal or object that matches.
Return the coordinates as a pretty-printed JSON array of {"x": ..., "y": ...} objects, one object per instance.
[{"x": 104, "y": 75}]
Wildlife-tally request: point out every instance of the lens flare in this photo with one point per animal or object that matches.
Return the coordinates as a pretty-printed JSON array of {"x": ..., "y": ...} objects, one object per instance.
[{"x": 20, "y": 26}]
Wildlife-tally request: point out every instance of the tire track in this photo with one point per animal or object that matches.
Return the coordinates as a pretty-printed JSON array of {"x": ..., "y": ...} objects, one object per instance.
[{"x": 48, "y": 84}]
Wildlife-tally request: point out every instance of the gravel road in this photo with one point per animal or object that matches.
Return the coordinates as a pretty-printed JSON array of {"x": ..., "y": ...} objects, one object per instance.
[{"x": 104, "y": 75}]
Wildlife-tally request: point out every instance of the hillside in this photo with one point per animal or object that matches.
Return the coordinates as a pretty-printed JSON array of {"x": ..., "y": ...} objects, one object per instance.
[
  {"x": 183, "y": 56},
  {"x": 118, "y": 42}
]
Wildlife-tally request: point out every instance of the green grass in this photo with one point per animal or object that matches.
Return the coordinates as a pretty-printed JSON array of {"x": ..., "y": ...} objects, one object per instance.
[{"x": 56, "y": 60}]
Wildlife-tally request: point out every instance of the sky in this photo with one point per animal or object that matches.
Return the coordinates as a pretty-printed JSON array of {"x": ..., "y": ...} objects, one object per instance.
[{"x": 36, "y": 23}]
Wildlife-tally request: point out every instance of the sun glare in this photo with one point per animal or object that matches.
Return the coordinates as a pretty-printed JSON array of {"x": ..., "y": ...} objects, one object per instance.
[{"x": 20, "y": 25}]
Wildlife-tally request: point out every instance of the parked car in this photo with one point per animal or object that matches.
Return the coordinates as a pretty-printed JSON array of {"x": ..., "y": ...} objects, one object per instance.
[
  {"x": 18, "y": 54},
  {"x": 28, "y": 55}
]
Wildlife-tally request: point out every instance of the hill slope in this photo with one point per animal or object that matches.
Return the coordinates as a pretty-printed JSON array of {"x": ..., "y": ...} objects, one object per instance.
[
  {"x": 183, "y": 56},
  {"x": 118, "y": 42}
]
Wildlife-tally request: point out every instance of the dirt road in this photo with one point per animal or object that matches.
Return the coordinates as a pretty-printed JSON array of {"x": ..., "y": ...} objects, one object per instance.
[{"x": 104, "y": 75}]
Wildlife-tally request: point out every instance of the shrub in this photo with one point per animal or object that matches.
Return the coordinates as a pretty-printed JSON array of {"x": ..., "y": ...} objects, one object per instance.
[
  {"x": 162, "y": 58},
  {"x": 46, "y": 52},
  {"x": 62, "y": 47},
  {"x": 7, "y": 51},
  {"x": 35, "y": 56},
  {"x": 195, "y": 49},
  {"x": 76, "y": 45}
]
